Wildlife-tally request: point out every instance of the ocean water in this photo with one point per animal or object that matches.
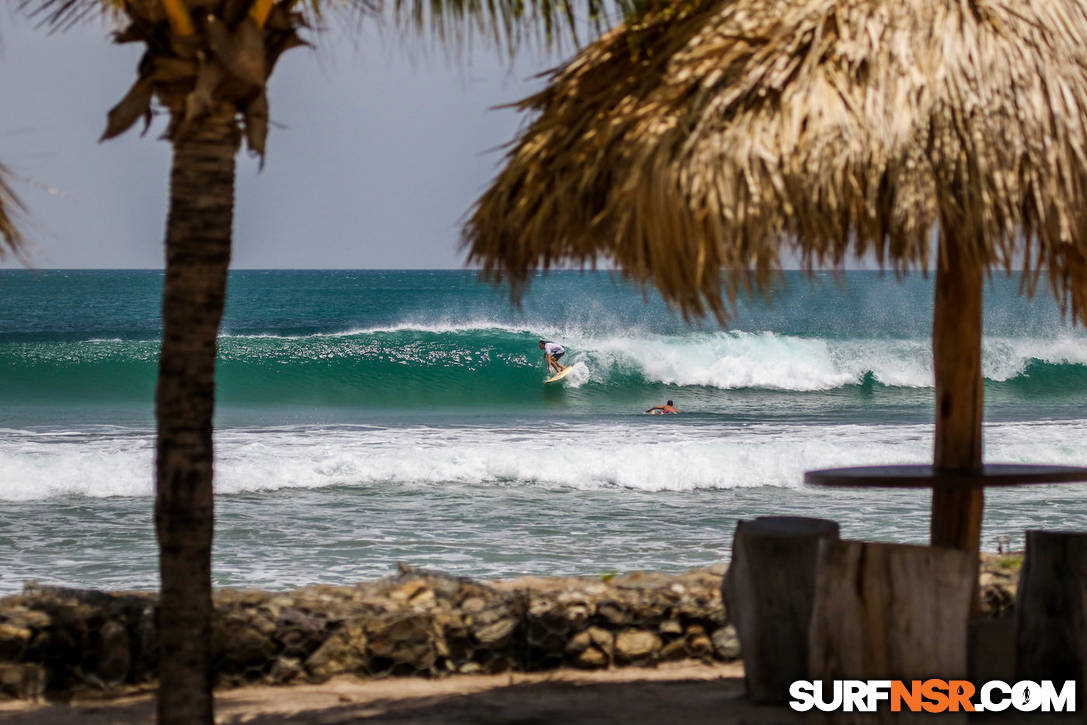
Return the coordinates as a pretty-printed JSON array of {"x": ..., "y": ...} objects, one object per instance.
[{"x": 371, "y": 417}]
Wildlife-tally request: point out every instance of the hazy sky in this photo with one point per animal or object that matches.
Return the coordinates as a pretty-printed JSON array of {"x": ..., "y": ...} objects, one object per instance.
[{"x": 377, "y": 152}]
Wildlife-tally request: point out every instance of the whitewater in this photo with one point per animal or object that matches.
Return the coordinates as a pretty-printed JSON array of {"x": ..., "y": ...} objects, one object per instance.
[
  {"x": 365, "y": 418},
  {"x": 660, "y": 457}
]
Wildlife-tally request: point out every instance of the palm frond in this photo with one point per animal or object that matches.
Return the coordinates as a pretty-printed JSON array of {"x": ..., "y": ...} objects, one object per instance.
[
  {"x": 10, "y": 208},
  {"x": 509, "y": 24},
  {"x": 61, "y": 15},
  {"x": 65, "y": 14},
  {"x": 724, "y": 135}
]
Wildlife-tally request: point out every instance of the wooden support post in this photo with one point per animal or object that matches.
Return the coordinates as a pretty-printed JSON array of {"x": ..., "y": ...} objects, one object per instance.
[
  {"x": 1051, "y": 610},
  {"x": 768, "y": 595},
  {"x": 956, "y": 361},
  {"x": 889, "y": 611}
]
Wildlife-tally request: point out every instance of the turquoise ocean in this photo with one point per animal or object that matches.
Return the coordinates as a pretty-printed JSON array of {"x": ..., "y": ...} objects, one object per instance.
[{"x": 370, "y": 417}]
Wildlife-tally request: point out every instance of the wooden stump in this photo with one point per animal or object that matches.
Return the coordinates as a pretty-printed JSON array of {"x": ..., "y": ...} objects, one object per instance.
[
  {"x": 1051, "y": 609},
  {"x": 890, "y": 612},
  {"x": 768, "y": 594}
]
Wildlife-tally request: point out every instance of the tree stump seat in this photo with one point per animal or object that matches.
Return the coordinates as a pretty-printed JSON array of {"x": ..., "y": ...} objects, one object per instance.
[
  {"x": 890, "y": 612},
  {"x": 1051, "y": 609},
  {"x": 768, "y": 592}
]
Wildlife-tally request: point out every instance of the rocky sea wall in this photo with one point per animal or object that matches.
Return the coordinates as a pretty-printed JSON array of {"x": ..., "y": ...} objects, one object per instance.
[{"x": 56, "y": 642}]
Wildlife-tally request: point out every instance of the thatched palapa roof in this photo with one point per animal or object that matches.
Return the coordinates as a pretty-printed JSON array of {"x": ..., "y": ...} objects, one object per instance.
[{"x": 720, "y": 134}]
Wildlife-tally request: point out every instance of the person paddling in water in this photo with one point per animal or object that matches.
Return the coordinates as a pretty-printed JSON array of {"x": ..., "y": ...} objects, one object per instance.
[
  {"x": 666, "y": 409},
  {"x": 552, "y": 352}
]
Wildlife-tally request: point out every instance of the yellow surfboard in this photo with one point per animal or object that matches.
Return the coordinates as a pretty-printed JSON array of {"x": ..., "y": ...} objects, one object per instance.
[{"x": 559, "y": 376}]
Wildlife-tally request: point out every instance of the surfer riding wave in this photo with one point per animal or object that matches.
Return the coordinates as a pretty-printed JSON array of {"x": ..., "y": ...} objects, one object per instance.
[{"x": 552, "y": 352}]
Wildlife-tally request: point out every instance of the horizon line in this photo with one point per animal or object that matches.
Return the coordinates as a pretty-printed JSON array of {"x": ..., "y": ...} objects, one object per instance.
[
  {"x": 372, "y": 269},
  {"x": 996, "y": 272}
]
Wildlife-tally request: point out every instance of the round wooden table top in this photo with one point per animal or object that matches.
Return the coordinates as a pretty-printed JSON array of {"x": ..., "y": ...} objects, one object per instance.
[{"x": 926, "y": 476}]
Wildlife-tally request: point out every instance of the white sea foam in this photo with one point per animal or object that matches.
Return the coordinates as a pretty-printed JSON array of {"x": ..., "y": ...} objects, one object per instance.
[
  {"x": 731, "y": 360},
  {"x": 656, "y": 456},
  {"x": 579, "y": 375},
  {"x": 435, "y": 327}
]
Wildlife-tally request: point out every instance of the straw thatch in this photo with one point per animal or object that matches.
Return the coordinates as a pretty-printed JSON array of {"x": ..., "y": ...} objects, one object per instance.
[
  {"x": 10, "y": 206},
  {"x": 720, "y": 135}
]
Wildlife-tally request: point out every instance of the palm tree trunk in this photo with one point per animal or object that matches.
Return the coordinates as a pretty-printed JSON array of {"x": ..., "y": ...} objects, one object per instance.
[{"x": 198, "y": 235}]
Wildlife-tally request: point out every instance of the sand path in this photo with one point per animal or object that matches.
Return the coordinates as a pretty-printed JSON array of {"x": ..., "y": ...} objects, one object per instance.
[{"x": 681, "y": 694}]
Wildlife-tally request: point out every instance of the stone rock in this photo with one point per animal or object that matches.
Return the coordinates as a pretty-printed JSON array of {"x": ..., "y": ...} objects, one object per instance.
[
  {"x": 13, "y": 641},
  {"x": 542, "y": 606},
  {"x": 262, "y": 622},
  {"x": 579, "y": 643},
  {"x": 425, "y": 599},
  {"x": 613, "y": 613},
  {"x": 670, "y": 626},
  {"x": 285, "y": 669},
  {"x": 603, "y": 639},
  {"x": 25, "y": 680},
  {"x": 674, "y": 650},
  {"x": 591, "y": 658},
  {"x": 471, "y": 605},
  {"x": 145, "y": 638},
  {"x": 114, "y": 653},
  {"x": 409, "y": 590},
  {"x": 636, "y": 646},
  {"x": 495, "y": 634},
  {"x": 726, "y": 643},
  {"x": 344, "y": 651},
  {"x": 244, "y": 648},
  {"x": 53, "y": 645},
  {"x": 577, "y": 614},
  {"x": 300, "y": 634},
  {"x": 280, "y": 603},
  {"x": 699, "y": 646},
  {"x": 250, "y": 597},
  {"x": 403, "y": 639},
  {"x": 547, "y": 630},
  {"x": 492, "y": 613},
  {"x": 33, "y": 619}
]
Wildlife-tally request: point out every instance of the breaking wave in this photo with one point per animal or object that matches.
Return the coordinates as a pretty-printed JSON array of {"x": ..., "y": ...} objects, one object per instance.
[{"x": 456, "y": 365}]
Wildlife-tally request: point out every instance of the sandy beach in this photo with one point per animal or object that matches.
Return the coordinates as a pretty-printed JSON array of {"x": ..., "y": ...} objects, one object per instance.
[
  {"x": 692, "y": 694},
  {"x": 681, "y": 692}
]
